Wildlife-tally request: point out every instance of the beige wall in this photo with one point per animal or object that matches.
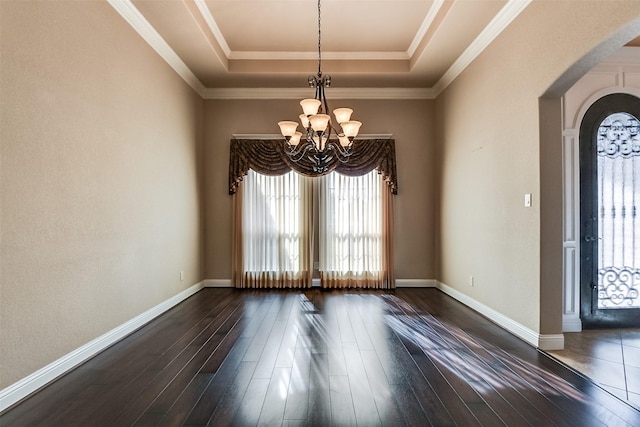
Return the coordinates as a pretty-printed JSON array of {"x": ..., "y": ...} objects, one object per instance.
[
  {"x": 498, "y": 143},
  {"x": 113, "y": 174},
  {"x": 412, "y": 126},
  {"x": 99, "y": 180}
]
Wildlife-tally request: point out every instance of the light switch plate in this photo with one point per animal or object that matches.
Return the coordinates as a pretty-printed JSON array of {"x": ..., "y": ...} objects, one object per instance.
[{"x": 527, "y": 200}]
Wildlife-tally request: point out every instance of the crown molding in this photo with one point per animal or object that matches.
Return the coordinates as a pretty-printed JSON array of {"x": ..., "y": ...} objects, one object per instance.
[
  {"x": 310, "y": 55},
  {"x": 132, "y": 15},
  {"x": 422, "y": 31},
  {"x": 507, "y": 14},
  {"x": 334, "y": 93},
  {"x": 306, "y": 56},
  {"x": 213, "y": 26}
]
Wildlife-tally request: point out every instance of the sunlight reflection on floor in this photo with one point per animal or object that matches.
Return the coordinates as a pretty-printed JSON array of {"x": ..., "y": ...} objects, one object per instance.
[
  {"x": 472, "y": 359},
  {"x": 322, "y": 357}
]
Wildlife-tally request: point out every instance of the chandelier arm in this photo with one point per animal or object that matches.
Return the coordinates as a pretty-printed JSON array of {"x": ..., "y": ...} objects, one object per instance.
[
  {"x": 297, "y": 153},
  {"x": 327, "y": 132},
  {"x": 323, "y": 97},
  {"x": 343, "y": 153}
]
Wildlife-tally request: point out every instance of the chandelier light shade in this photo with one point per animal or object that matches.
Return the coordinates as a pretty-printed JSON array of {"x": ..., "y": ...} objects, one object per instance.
[
  {"x": 310, "y": 106},
  {"x": 319, "y": 122},
  {"x": 342, "y": 114},
  {"x": 295, "y": 139},
  {"x": 315, "y": 142},
  {"x": 351, "y": 128},
  {"x": 288, "y": 129}
]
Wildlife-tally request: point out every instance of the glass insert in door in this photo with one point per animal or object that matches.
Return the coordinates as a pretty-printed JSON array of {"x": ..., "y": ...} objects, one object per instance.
[{"x": 618, "y": 238}]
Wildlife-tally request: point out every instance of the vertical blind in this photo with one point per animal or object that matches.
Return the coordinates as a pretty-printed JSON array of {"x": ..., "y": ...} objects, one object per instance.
[
  {"x": 350, "y": 230},
  {"x": 276, "y": 230},
  {"x": 277, "y": 218}
]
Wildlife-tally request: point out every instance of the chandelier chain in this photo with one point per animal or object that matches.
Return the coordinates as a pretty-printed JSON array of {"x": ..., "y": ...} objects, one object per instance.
[{"x": 319, "y": 50}]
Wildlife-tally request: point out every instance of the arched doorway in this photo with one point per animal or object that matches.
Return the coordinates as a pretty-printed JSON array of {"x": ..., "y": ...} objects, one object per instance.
[
  {"x": 602, "y": 355},
  {"x": 609, "y": 213},
  {"x": 614, "y": 75}
]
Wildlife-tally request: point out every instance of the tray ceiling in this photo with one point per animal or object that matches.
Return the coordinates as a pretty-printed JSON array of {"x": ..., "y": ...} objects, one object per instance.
[{"x": 225, "y": 44}]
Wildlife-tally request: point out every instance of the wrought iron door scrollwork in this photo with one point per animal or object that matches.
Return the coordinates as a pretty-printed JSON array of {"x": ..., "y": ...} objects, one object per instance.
[
  {"x": 619, "y": 135},
  {"x": 618, "y": 287}
]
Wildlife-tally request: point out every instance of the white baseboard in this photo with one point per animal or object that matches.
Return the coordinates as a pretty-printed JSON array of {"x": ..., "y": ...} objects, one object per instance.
[
  {"x": 33, "y": 382},
  {"x": 571, "y": 324},
  {"x": 416, "y": 283},
  {"x": 551, "y": 342},
  {"x": 400, "y": 283},
  {"x": 543, "y": 342},
  {"x": 217, "y": 283}
]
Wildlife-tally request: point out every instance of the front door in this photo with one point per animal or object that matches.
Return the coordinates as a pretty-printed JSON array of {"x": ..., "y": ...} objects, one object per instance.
[{"x": 610, "y": 213}]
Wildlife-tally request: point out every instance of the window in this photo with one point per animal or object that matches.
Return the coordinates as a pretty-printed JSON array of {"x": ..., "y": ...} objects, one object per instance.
[
  {"x": 351, "y": 229},
  {"x": 275, "y": 231},
  {"x": 277, "y": 222}
]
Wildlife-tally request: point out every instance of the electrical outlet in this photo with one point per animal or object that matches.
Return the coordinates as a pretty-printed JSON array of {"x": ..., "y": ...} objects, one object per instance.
[
  {"x": 471, "y": 281},
  {"x": 181, "y": 275}
]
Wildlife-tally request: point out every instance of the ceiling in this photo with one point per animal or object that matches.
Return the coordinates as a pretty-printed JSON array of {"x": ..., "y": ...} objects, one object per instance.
[
  {"x": 218, "y": 45},
  {"x": 235, "y": 45},
  {"x": 224, "y": 47},
  {"x": 365, "y": 43}
]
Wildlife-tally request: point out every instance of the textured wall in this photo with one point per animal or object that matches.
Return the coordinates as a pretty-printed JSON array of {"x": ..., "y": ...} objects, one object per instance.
[
  {"x": 99, "y": 181},
  {"x": 106, "y": 155},
  {"x": 499, "y": 142},
  {"x": 412, "y": 126}
]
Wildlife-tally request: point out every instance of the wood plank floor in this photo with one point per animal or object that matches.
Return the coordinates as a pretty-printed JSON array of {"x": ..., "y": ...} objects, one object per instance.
[{"x": 246, "y": 358}]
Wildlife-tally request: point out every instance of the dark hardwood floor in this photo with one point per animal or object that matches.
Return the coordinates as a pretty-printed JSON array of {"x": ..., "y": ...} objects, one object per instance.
[{"x": 238, "y": 357}]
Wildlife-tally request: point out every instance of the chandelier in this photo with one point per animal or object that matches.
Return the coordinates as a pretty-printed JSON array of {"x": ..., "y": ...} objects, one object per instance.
[{"x": 316, "y": 143}]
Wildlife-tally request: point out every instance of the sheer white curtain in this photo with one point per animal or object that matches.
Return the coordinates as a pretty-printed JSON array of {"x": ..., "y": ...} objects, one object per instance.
[
  {"x": 354, "y": 215},
  {"x": 275, "y": 235}
]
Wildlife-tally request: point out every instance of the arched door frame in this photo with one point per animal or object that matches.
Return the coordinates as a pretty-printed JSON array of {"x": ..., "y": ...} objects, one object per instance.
[
  {"x": 555, "y": 307},
  {"x": 571, "y": 192}
]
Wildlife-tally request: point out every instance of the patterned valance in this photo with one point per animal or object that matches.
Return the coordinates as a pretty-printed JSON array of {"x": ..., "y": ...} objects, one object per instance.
[{"x": 268, "y": 157}]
